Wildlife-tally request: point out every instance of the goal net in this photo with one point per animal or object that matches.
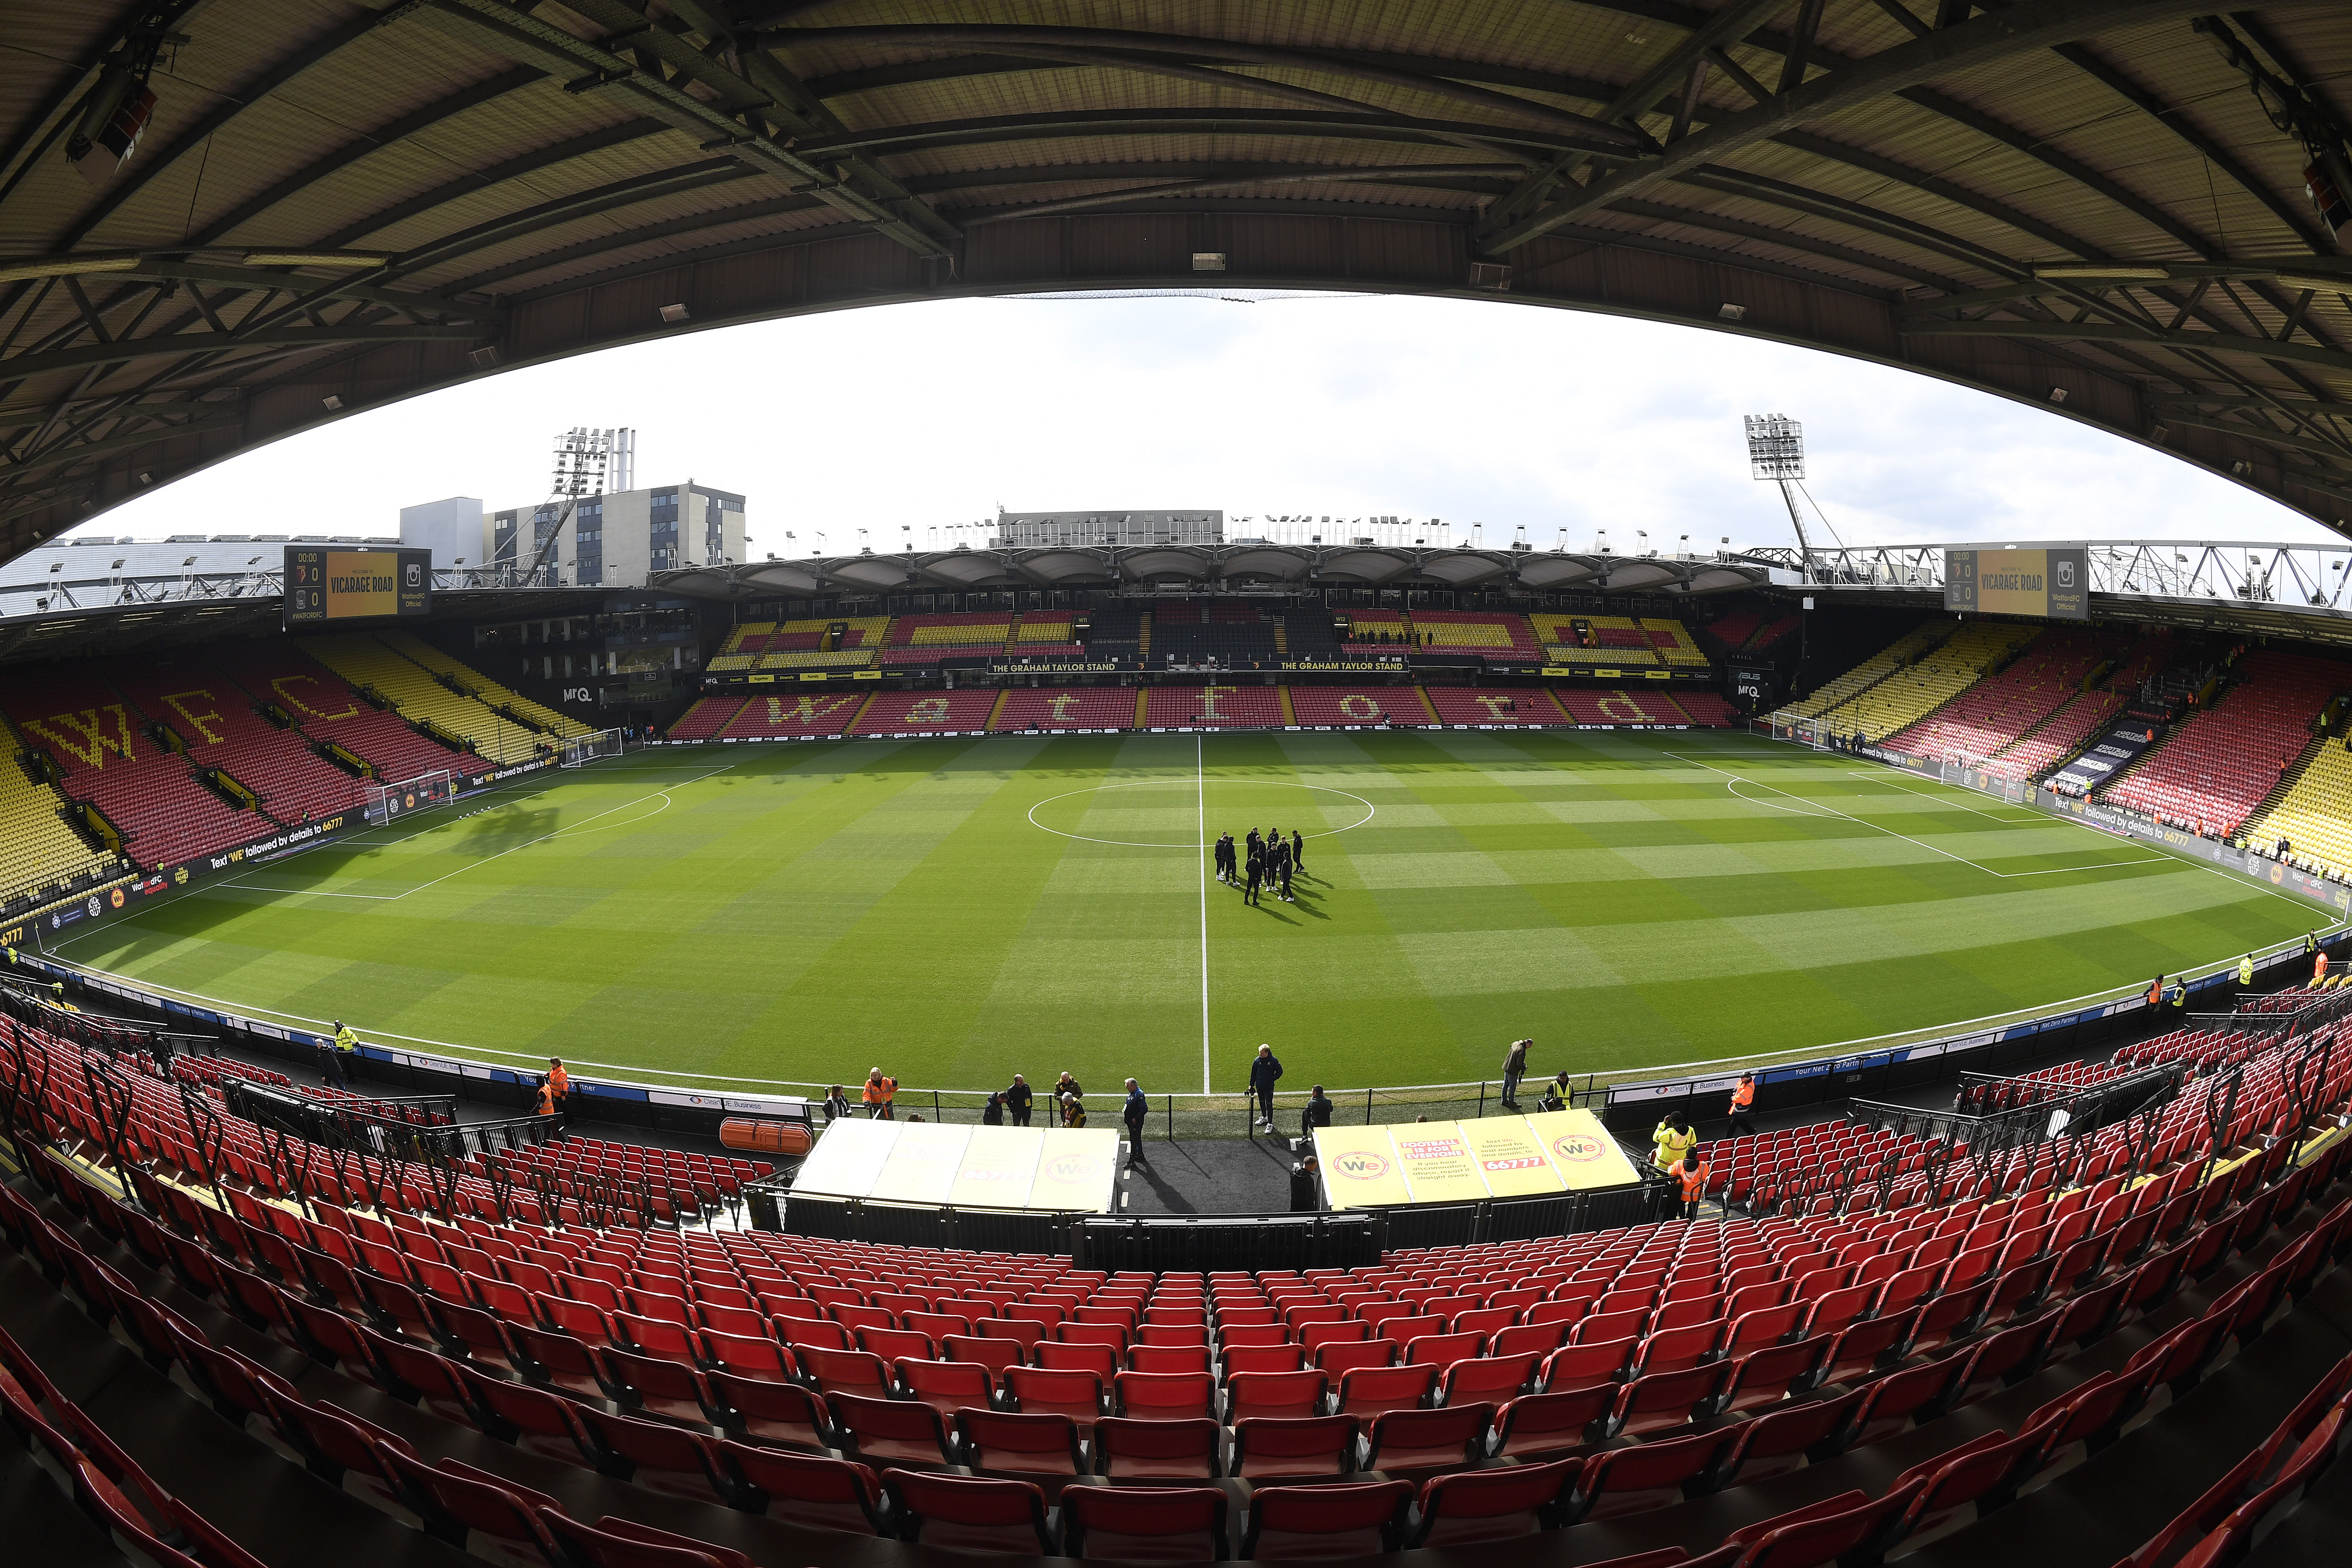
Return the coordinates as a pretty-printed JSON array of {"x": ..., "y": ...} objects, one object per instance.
[
  {"x": 581, "y": 750},
  {"x": 386, "y": 801}
]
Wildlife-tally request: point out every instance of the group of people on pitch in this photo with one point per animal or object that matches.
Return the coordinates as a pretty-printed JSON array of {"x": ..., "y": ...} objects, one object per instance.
[{"x": 1262, "y": 863}]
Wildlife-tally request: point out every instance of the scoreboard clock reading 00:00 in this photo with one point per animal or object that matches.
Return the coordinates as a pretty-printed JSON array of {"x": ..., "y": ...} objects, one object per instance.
[{"x": 328, "y": 586}]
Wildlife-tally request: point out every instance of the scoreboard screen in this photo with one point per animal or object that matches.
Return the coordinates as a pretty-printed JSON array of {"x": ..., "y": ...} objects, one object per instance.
[
  {"x": 325, "y": 585},
  {"x": 2053, "y": 584}
]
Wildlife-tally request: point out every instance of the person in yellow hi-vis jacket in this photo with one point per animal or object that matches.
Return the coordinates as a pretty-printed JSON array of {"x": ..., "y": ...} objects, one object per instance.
[{"x": 1675, "y": 1139}]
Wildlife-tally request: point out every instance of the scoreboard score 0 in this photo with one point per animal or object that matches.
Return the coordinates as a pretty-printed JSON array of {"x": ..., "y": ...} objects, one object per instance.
[{"x": 327, "y": 586}]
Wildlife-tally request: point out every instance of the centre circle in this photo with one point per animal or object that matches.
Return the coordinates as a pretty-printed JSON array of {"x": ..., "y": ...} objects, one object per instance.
[{"x": 1189, "y": 814}]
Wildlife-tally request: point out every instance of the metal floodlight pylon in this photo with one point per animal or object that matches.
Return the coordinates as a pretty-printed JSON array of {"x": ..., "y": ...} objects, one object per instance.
[{"x": 1776, "y": 453}]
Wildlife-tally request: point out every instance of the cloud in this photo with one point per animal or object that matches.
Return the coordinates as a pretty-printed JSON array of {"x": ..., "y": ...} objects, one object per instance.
[{"x": 1558, "y": 422}]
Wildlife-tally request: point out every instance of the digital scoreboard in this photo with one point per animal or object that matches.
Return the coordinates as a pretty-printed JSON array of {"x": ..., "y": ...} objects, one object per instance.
[
  {"x": 2054, "y": 584},
  {"x": 326, "y": 586}
]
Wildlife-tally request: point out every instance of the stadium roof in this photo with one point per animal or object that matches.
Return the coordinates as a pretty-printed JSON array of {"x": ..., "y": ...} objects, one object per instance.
[
  {"x": 2082, "y": 203},
  {"x": 1233, "y": 567}
]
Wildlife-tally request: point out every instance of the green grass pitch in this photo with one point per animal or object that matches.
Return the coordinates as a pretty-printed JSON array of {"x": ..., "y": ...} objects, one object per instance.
[{"x": 957, "y": 910}]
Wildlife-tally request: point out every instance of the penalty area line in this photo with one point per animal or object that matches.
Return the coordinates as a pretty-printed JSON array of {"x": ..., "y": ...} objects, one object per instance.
[{"x": 1822, "y": 808}]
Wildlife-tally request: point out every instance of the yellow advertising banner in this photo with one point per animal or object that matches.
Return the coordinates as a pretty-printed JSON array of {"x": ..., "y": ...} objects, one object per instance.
[
  {"x": 1581, "y": 1150},
  {"x": 1511, "y": 1157},
  {"x": 1435, "y": 1159},
  {"x": 1076, "y": 1170},
  {"x": 998, "y": 1165},
  {"x": 848, "y": 1157},
  {"x": 922, "y": 1166},
  {"x": 1360, "y": 1167}
]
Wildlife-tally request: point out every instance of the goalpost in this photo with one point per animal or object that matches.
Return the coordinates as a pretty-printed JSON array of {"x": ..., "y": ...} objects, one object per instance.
[
  {"x": 386, "y": 801},
  {"x": 581, "y": 749}
]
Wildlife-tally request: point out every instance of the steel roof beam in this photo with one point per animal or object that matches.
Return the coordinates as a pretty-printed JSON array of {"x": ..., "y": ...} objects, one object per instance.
[
  {"x": 1770, "y": 235},
  {"x": 1337, "y": 175},
  {"x": 366, "y": 145},
  {"x": 1981, "y": 41},
  {"x": 2093, "y": 332},
  {"x": 2298, "y": 222},
  {"x": 996, "y": 129},
  {"x": 728, "y": 64},
  {"x": 1583, "y": 128},
  {"x": 208, "y": 343},
  {"x": 128, "y": 186},
  {"x": 1706, "y": 37},
  {"x": 527, "y": 41},
  {"x": 2340, "y": 452},
  {"x": 955, "y": 67},
  {"x": 604, "y": 139},
  {"x": 57, "y": 457}
]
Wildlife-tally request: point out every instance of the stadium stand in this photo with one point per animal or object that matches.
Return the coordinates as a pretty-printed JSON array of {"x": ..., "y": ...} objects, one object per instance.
[
  {"x": 1499, "y": 705},
  {"x": 1067, "y": 708},
  {"x": 706, "y": 718},
  {"x": 2313, "y": 814},
  {"x": 1486, "y": 634},
  {"x": 1996, "y": 711},
  {"x": 215, "y": 721},
  {"x": 2215, "y": 767},
  {"x": 1604, "y": 641},
  {"x": 926, "y": 712},
  {"x": 1911, "y": 644},
  {"x": 1397, "y": 705},
  {"x": 1921, "y": 686},
  {"x": 800, "y": 645},
  {"x": 1118, "y": 632},
  {"x": 794, "y": 713},
  {"x": 2075, "y": 722},
  {"x": 99, "y": 740},
  {"x": 40, "y": 853},
  {"x": 1707, "y": 708},
  {"x": 1233, "y": 634},
  {"x": 276, "y": 672},
  {"x": 928, "y": 640},
  {"x": 365, "y": 660},
  {"x": 491, "y": 694},
  {"x": 1378, "y": 628},
  {"x": 1516, "y": 1388},
  {"x": 1730, "y": 632},
  {"x": 1308, "y": 634},
  {"x": 1593, "y": 705},
  {"x": 1198, "y": 707}
]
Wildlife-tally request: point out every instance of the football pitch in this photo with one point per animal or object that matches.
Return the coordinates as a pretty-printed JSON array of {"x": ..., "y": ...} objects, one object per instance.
[{"x": 958, "y": 909}]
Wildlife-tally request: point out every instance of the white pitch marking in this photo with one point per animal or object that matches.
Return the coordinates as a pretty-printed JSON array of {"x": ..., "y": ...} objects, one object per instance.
[
  {"x": 1201, "y": 832},
  {"x": 1736, "y": 778},
  {"x": 1370, "y": 811},
  {"x": 661, "y": 796}
]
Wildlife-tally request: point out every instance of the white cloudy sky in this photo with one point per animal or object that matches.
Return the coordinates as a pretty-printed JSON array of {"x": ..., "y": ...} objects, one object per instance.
[{"x": 920, "y": 415}]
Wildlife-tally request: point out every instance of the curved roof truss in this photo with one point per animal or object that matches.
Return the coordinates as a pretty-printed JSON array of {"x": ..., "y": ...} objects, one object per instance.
[{"x": 2083, "y": 204}]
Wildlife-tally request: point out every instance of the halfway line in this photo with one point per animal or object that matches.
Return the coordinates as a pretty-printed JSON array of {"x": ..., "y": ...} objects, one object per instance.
[{"x": 1200, "y": 831}]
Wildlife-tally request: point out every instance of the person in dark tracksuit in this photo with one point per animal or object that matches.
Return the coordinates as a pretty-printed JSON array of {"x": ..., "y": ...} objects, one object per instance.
[
  {"x": 1254, "y": 873},
  {"x": 1264, "y": 1068},
  {"x": 1299, "y": 851},
  {"x": 1138, "y": 1108},
  {"x": 1016, "y": 1102},
  {"x": 1282, "y": 870}
]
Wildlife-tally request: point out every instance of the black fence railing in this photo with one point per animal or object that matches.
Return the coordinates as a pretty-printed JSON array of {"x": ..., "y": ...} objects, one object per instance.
[{"x": 773, "y": 1206}]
